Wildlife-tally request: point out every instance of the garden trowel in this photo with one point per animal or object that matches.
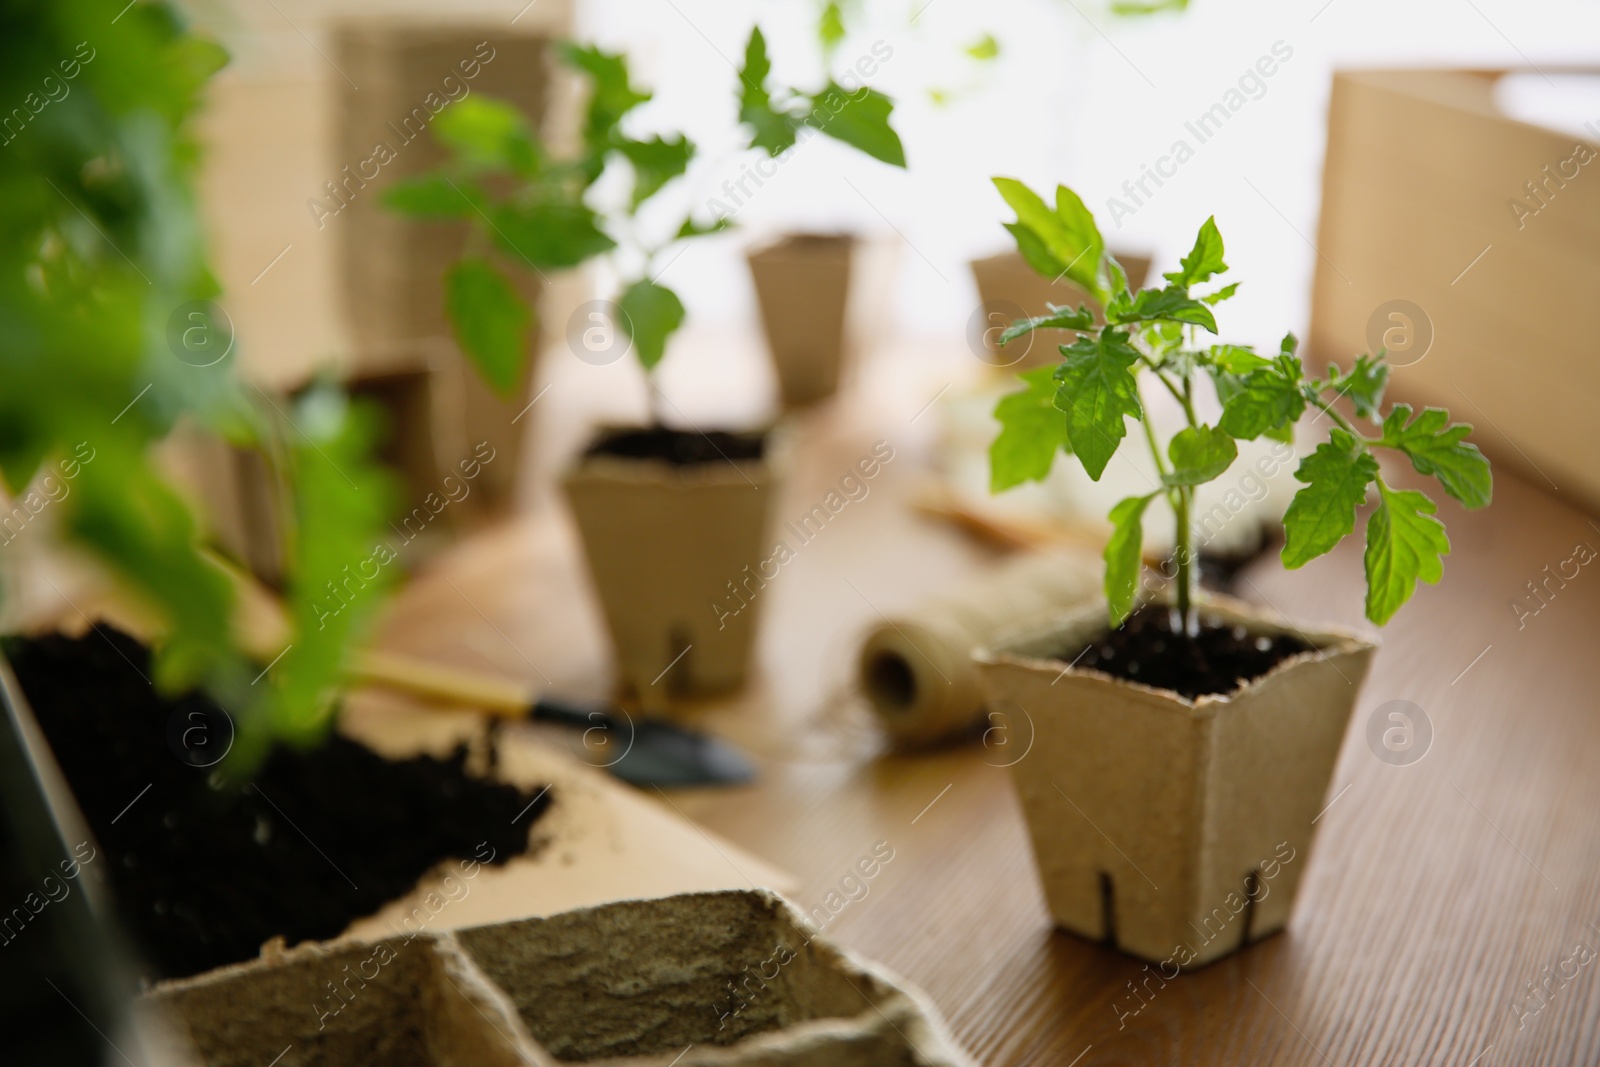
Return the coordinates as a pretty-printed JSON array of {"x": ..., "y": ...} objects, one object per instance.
[{"x": 640, "y": 751}]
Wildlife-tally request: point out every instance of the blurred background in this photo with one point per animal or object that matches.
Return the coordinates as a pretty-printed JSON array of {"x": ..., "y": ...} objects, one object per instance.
[{"x": 1082, "y": 97}]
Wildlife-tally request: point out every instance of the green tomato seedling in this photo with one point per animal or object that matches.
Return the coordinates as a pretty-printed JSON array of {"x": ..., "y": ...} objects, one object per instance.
[
  {"x": 1081, "y": 407},
  {"x": 535, "y": 208}
]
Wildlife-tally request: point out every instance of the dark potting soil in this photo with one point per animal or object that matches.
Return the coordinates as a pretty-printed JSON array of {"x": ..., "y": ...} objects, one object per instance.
[
  {"x": 681, "y": 448},
  {"x": 1219, "y": 659},
  {"x": 204, "y": 872}
]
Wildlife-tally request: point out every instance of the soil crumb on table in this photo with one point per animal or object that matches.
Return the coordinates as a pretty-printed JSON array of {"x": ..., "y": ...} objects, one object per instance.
[{"x": 204, "y": 872}]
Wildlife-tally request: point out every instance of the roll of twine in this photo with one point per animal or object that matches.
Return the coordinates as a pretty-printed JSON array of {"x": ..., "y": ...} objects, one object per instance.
[{"x": 916, "y": 670}]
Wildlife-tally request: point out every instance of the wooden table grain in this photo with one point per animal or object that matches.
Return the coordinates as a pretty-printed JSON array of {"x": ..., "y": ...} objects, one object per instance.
[{"x": 1450, "y": 914}]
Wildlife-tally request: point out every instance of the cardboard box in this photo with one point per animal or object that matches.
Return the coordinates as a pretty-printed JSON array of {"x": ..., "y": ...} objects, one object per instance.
[
  {"x": 1175, "y": 830},
  {"x": 731, "y": 979},
  {"x": 1441, "y": 229},
  {"x": 1009, "y": 289}
]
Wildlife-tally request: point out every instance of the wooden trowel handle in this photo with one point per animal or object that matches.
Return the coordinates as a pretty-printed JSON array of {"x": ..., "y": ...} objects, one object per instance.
[{"x": 451, "y": 685}]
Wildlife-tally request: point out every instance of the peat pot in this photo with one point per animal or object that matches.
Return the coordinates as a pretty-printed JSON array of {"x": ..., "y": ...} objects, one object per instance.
[
  {"x": 730, "y": 979},
  {"x": 1176, "y": 830},
  {"x": 802, "y": 286},
  {"x": 674, "y": 546}
]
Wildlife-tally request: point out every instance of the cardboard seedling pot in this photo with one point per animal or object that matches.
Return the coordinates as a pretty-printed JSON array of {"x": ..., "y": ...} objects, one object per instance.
[
  {"x": 663, "y": 544},
  {"x": 729, "y": 979},
  {"x": 1009, "y": 289},
  {"x": 1175, "y": 830},
  {"x": 802, "y": 287}
]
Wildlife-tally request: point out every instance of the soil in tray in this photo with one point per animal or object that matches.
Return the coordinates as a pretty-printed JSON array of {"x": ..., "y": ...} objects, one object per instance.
[
  {"x": 1219, "y": 659},
  {"x": 204, "y": 872},
  {"x": 681, "y": 448}
]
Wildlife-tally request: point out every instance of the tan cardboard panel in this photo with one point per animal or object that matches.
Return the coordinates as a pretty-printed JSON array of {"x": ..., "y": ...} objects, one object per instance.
[{"x": 1419, "y": 173}]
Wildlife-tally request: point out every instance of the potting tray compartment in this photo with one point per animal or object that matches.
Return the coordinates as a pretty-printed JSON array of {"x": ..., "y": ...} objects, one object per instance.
[{"x": 707, "y": 978}]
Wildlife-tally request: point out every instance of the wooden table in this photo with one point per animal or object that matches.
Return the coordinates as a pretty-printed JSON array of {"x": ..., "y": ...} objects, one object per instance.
[{"x": 1438, "y": 893}]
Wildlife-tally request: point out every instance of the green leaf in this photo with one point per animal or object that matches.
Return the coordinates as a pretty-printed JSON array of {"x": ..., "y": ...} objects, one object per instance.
[
  {"x": 984, "y": 48},
  {"x": 1097, "y": 390},
  {"x": 830, "y": 27},
  {"x": 691, "y": 228},
  {"x": 342, "y": 501},
  {"x": 1124, "y": 556},
  {"x": 1203, "y": 260},
  {"x": 1034, "y": 252},
  {"x": 1437, "y": 447},
  {"x": 1067, "y": 233},
  {"x": 1364, "y": 385},
  {"x": 1198, "y": 455},
  {"x": 1058, "y": 317},
  {"x": 550, "y": 234},
  {"x": 488, "y": 134},
  {"x": 124, "y": 510},
  {"x": 1268, "y": 401},
  {"x": 1322, "y": 514},
  {"x": 435, "y": 196},
  {"x": 1283, "y": 432},
  {"x": 774, "y": 129},
  {"x": 1236, "y": 359},
  {"x": 1117, "y": 277},
  {"x": 650, "y": 313},
  {"x": 1225, "y": 293},
  {"x": 1228, "y": 365},
  {"x": 1163, "y": 339},
  {"x": 1405, "y": 544},
  {"x": 1170, "y": 304},
  {"x": 491, "y": 321},
  {"x": 655, "y": 163},
  {"x": 1032, "y": 431},
  {"x": 1142, "y": 8},
  {"x": 612, "y": 95},
  {"x": 20, "y": 457},
  {"x": 860, "y": 119},
  {"x": 757, "y": 66}
]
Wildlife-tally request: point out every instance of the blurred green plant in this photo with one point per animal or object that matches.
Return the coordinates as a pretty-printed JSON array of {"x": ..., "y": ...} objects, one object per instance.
[
  {"x": 1139, "y": 8},
  {"x": 1080, "y": 407},
  {"x": 831, "y": 29},
  {"x": 102, "y": 263},
  {"x": 533, "y": 208},
  {"x": 859, "y": 117}
]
